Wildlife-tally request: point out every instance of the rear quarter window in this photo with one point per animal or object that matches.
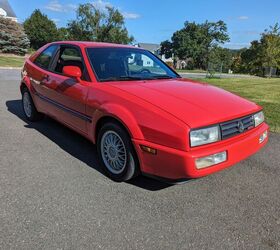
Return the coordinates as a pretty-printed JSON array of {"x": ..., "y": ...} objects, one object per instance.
[{"x": 44, "y": 59}]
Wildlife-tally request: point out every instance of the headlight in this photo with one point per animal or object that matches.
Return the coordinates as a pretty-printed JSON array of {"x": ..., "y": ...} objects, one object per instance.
[
  {"x": 258, "y": 118},
  {"x": 204, "y": 136}
]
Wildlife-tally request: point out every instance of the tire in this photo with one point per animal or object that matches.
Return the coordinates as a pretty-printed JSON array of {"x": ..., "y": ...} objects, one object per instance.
[
  {"x": 116, "y": 153},
  {"x": 29, "y": 108}
]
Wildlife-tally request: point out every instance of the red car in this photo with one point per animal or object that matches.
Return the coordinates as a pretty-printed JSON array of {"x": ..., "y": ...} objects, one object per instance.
[{"x": 142, "y": 115}]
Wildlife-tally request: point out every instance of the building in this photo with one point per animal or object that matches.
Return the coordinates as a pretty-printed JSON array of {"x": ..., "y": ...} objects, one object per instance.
[
  {"x": 155, "y": 49},
  {"x": 6, "y": 10}
]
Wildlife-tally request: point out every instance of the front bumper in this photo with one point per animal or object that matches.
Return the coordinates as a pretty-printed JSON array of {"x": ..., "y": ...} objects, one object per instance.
[{"x": 175, "y": 164}]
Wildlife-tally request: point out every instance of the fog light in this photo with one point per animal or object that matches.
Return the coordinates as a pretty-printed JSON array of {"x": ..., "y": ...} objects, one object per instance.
[
  {"x": 263, "y": 137},
  {"x": 211, "y": 160}
]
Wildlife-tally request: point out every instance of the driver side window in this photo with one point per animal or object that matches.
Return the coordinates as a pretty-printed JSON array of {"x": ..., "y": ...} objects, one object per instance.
[{"x": 70, "y": 56}]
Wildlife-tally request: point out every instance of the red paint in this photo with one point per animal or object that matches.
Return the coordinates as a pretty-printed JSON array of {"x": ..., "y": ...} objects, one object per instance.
[
  {"x": 157, "y": 113},
  {"x": 72, "y": 71}
]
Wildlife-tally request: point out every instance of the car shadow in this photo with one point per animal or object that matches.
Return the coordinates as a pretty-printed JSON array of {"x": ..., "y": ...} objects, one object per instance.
[{"x": 76, "y": 145}]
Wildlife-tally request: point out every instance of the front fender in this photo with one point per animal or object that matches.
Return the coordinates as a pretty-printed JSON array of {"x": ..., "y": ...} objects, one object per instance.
[{"x": 120, "y": 113}]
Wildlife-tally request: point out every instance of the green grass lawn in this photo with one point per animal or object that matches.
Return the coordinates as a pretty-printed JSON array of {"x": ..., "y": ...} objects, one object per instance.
[
  {"x": 265, "y": 92},
  {"x": 11, "y": 61},
  {"x": 190, "y": 71}
]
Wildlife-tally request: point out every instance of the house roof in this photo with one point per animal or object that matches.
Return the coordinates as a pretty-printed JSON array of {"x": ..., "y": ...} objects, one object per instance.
[
  {"x": 149, "y": 46},
  {"x": 4, "y": 4}
]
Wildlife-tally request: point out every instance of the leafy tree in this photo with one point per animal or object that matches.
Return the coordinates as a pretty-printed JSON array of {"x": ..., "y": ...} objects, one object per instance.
[
  {"x": 271, "y": 47},
  {"x": 195, "y": 41},
  {"x": 12, "y": 37},
  {"x": 63, "y": 34},
  {"x": 264, "y": 53},
  {"x": 166, "y": 48},
  {"x": 221, "y": 58},
  {"x": 93, "y": 24},
  {"x": 40, "y": 29}
]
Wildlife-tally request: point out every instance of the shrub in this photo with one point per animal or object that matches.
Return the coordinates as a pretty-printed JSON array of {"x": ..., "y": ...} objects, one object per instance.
[{"x": 12, "y": 37}]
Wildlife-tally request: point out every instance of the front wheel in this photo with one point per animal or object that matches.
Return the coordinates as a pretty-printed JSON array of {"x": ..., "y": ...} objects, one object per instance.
[
  {"x": 29, "y": 108},
  {"x": 116, "y": 153}
]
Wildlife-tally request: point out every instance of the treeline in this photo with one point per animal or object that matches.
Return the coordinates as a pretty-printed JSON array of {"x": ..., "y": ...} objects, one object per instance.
[
  {"x": 199, "y": 46},
  {"x": 90, "y": 24},
  {"x": 195, "y": 46}
]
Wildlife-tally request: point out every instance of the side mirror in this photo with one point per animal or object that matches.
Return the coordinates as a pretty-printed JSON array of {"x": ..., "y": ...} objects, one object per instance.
[{"x": 72, "y": 71}]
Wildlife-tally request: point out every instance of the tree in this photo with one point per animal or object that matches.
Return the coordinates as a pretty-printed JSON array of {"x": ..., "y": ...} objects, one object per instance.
[
  {"x": 93, "y": 24},
  {"x": 166, "y": 48},
  {"x": 195, "y": 41},
  {"x": 12, "y": 37},
  {"x": 271, "y": 47},
  {"x": 221, "y": 58},
  {"x": 40, "y": 29},
  {"x": 262, "y": 54},
  {"x": 63, "y": 34}
]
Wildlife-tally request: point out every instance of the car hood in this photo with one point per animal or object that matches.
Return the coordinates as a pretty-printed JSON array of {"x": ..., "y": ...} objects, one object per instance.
[{"x": 196, "y": 104}]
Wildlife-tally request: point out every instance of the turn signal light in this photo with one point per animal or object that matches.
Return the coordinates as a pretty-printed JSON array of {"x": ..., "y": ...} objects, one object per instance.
[{"x": 148, "y": 150}]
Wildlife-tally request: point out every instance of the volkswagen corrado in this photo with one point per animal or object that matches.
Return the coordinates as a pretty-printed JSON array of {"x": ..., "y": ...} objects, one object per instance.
[{"x": 143, "y": 117}]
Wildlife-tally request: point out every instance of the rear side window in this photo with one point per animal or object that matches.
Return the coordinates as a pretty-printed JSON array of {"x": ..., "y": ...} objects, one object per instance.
[{"x": 44, "y": 59}]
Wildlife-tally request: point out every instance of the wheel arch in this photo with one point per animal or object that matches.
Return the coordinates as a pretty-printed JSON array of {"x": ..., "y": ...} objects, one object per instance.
[
  {"x": 25, "y": 83},
  {"x": 109, "y": 119},
  {"x": 118, "y": 114}
]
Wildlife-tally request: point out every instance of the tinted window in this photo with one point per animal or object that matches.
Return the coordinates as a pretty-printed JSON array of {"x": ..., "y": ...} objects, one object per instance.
[
  {"x": 70, "y": 56},
  {"x": 44, "y": 59},
  {"x": 114, "y": 64}
]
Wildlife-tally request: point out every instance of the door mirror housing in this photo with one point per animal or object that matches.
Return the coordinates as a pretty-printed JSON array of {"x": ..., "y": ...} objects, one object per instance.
[{"x": 72, "y": 71}]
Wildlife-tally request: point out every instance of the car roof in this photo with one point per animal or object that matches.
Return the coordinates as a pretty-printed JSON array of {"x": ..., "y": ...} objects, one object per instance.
[{"x": 94, "y": 44}]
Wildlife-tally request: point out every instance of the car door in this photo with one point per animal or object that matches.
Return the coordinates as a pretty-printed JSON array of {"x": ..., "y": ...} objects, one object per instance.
[
  {"x": 68, "y": 94},
  {"x": 38, "y": 73}
]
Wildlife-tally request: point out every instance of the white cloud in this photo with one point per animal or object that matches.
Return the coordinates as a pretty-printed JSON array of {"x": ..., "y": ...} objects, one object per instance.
[
  {"x": 56, "y": 6},
  {"x": 128, "y": 15},
  {"x": 243, "y": 18},
  {"x": 101, "y": 5},
  {"x": 231, "y": 45},
  {"x": 56, "y": 20}
]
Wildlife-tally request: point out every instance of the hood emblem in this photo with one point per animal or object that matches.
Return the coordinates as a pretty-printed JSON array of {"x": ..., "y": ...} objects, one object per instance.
[{"x": 241, "y": 127}]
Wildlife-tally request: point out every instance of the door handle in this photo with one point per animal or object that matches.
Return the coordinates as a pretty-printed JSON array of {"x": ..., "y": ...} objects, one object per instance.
[{"x": 46, "y": 77}]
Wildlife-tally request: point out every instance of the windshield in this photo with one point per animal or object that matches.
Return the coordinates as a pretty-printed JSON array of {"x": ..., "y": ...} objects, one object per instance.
[{"x": 125, "y": 64}]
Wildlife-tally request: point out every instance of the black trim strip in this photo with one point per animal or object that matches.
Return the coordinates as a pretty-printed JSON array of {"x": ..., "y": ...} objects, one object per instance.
[
  {"x": 167, "y": 180},
  {"x": 62, "y": 107}
]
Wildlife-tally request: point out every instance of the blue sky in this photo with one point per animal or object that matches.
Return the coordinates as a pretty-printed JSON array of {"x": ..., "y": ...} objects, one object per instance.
[{"x": 153, "y": 21}]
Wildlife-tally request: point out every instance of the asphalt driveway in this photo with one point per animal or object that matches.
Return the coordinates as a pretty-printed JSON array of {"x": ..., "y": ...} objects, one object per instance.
[{"x": 53, "y": 195}]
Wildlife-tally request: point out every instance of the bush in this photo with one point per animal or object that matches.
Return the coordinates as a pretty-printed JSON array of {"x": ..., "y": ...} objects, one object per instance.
[{"x": 12, "y": 37}]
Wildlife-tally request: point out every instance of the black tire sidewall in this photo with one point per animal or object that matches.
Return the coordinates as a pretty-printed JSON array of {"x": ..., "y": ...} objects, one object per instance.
[
  {"x": 130, "y": 170},
  {"x": 35, "y": 115}
]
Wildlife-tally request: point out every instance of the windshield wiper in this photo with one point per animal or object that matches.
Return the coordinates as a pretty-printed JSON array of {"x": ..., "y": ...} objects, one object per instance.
[
  {"x": 121, "y": 78},
  {"x": 163, "y": 77}
]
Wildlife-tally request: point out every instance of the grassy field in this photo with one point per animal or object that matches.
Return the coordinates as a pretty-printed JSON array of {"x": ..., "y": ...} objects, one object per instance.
[
  {"x": 265, "y": 92},
  {"x": 11, "y": 61},
  {"x": 190, "y": 71}
]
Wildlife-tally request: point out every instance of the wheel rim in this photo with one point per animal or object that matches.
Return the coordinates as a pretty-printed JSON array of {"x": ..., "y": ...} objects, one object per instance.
[
  {"x": 113, "y": 152},
  {"x": 27, "y": 104}
]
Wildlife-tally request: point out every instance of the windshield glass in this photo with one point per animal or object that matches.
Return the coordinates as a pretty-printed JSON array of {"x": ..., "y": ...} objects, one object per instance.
[{"x": 125, "y": 64}]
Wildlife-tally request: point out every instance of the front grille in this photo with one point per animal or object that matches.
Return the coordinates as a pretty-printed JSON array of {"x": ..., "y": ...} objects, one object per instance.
[{"x": 237, "y": 126}]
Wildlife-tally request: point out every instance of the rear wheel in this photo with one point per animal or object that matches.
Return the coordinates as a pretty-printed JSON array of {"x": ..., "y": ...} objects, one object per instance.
[
  {"x": 116, "y": 153},
  {"x": 29, "y": 108}
]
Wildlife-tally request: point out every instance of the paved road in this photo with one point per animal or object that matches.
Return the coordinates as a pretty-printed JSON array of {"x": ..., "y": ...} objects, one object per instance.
[{"x": 54, "y": 196}]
